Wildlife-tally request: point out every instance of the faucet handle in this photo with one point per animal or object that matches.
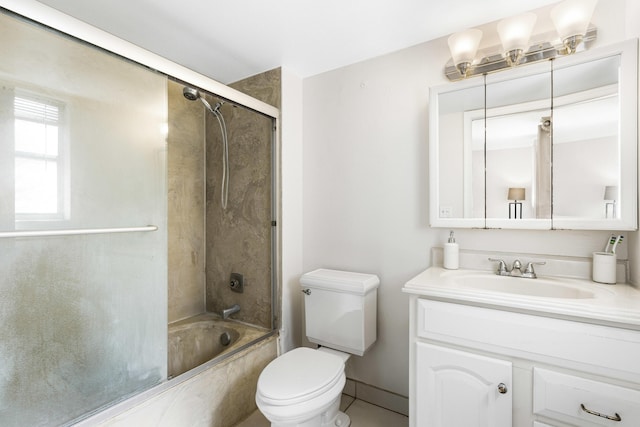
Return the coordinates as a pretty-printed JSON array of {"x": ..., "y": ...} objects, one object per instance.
[
  {"x": 502, "y": 267},
  {"x": 529, "y": 271}
]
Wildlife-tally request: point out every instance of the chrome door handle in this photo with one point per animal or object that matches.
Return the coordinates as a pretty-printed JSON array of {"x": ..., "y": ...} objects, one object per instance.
[
  {"x": 615, "y": 417},
  {"x": 502, "y": 388}
]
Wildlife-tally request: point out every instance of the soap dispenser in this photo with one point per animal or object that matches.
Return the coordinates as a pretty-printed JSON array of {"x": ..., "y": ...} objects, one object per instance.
[{"x": 451, "y": 253}]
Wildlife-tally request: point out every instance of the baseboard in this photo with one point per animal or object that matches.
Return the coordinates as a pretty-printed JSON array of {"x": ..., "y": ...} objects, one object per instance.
[{"x": 377, "y": 396}]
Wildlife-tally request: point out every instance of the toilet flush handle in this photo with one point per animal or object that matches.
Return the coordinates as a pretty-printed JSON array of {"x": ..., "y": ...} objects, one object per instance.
[{"x": 306, "y": 291}]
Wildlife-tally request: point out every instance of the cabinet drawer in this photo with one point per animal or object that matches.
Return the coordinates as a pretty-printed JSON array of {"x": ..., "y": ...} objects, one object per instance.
[
  {"x": 562, "y": 397},
  {"x": 601, "y": 350}
]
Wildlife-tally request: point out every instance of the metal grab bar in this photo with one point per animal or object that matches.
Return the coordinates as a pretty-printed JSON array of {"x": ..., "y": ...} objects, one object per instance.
[{"x": 44, "y": 233}]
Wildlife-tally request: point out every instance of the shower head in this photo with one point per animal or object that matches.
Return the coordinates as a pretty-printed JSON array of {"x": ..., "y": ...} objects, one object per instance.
[
  {"x": 190, "y": 93},
  {"x": 193, "y": 95}
]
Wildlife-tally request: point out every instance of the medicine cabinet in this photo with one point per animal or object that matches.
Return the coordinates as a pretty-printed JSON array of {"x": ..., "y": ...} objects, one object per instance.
[{"x": 551, "y": 145}]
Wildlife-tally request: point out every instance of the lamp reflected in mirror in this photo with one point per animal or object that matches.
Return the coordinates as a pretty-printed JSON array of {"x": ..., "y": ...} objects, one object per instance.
[
  {"x": 610, "y": 196},
  {"x": 515, "y": 207}
]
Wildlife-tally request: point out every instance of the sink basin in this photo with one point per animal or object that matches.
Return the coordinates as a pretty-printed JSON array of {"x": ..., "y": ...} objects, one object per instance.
[{"x": 541, "y": 287}]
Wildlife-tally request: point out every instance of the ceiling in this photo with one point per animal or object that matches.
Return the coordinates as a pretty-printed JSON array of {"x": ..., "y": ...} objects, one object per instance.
[{"x": 234, "y": 39}]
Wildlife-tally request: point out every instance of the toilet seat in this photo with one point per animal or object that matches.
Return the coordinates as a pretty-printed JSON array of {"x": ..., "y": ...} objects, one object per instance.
[{"x": 298, "y": 376}]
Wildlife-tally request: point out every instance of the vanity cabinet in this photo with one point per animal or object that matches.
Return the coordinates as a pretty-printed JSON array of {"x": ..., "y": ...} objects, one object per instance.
[{"x": 552, "y": 372}]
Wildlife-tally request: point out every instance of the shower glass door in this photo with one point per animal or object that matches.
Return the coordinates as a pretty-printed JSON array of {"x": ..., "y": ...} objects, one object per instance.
[{"x": 83, "y": 291}]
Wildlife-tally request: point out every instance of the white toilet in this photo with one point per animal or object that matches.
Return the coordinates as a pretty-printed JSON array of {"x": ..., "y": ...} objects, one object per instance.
[{"x": 302, "y": 388}]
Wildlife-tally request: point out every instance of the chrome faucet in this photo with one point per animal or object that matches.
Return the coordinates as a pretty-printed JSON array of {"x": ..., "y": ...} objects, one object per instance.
[
  {"x": 229, "y": 311},
  {"x": 516, "y": 269},
  {"x": 502, "y": 267},
  {"x": 528, "y": 272}
]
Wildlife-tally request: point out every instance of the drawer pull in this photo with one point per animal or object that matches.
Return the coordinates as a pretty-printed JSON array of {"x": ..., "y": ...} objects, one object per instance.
[
  {"x": 502, "y": 388},
  {"x": 616, "y": 417}
]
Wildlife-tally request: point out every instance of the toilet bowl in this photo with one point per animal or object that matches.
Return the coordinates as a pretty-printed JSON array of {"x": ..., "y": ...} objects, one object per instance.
[{"x": 302, "y": 388}]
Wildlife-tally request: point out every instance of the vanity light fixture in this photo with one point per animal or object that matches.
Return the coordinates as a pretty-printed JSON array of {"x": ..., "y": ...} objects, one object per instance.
[
  {"x": 515, "y": 207},
  {"x": 570, "y": 18},
  {"x": 463, "y": 47},
  {"x": 610, "y": 196},
  {"x": 514, "y": 34}
]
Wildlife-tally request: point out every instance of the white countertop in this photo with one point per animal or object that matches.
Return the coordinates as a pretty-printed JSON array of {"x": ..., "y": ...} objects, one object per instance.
[{"x": 613, "y": 305}]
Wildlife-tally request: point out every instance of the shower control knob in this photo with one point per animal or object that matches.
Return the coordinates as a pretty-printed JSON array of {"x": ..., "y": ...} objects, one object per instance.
[
  {"x": 306, "y": 291},
  {"x": 236, "y": 282},
  {"x": 502, "y": 388}
]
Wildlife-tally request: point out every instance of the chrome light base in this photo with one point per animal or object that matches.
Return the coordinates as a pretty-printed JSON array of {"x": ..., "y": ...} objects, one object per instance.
[{"x": 571, "y": 43}]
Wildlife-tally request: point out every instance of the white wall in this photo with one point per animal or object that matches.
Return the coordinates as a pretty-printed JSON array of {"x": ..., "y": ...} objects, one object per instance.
[
  {"x": 365, "y": 186},
  {"x": 291, "y": 207}
]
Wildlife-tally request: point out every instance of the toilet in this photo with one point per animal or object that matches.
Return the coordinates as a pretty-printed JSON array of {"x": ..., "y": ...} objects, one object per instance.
[{"x": 302, "y": 388}]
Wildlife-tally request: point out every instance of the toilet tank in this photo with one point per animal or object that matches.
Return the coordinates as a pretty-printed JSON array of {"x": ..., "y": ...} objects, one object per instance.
[{"x": 340, "y": 309}]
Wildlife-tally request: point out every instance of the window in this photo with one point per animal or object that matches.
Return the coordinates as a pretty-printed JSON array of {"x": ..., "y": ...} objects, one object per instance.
[{"x": 39, "y": 165}]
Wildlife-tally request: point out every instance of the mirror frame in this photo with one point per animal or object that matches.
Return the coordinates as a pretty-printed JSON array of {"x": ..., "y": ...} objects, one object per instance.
[{"x": 628, "y": 95}]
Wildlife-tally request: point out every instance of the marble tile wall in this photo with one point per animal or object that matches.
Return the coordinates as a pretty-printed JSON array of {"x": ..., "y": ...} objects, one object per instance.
[
  {"x": 239, "y": 238},
  {"x": 185, "y": 207}
]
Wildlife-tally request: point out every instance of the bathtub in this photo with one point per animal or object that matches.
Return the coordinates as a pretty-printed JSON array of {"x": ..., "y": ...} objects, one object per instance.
[{"x": 205, "y": 337}]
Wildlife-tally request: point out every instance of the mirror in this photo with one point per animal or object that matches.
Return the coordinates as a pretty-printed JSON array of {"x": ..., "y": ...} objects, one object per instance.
[
  {"x": 518, "y": 148},
  {"x": 460, "y": 179},
  {"x": 545, "y": 146}
]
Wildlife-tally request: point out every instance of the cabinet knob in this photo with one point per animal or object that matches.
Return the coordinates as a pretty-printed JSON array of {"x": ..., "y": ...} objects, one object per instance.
[{"x": 502, "y": 388}]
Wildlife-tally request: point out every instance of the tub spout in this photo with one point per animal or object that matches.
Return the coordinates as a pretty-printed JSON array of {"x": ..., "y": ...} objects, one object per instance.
[{"x": 229, "y": 311}]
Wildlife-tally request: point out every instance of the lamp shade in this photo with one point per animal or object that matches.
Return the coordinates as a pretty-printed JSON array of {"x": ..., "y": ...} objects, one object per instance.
[
  {"x": 515, "y": 32},
  {"x": 516, "y": 193},
  {"x": 572, "y": 17},
  {"x": 610, "y": 192},
  {"x": 464, "y": 46}
]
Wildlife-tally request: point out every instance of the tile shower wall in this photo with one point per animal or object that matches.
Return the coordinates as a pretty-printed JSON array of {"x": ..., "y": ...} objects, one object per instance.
[
  {"x": 185, "y": 208},
  {"x": 240, "y": 236}
]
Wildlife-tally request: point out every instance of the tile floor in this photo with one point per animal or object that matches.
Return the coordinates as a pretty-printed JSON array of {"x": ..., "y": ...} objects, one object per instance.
[{"x": 362, "y": 414}]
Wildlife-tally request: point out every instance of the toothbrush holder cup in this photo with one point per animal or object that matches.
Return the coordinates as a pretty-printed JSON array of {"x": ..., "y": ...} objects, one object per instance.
[{"x": 604, "y": 267}]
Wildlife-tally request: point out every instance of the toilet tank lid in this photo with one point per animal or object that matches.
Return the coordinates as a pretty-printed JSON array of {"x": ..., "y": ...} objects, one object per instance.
[{"x": 340, "y": 281}]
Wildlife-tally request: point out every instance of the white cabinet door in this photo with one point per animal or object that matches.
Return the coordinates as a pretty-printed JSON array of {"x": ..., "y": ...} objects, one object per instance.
[{"x": 456, "y": 388}]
